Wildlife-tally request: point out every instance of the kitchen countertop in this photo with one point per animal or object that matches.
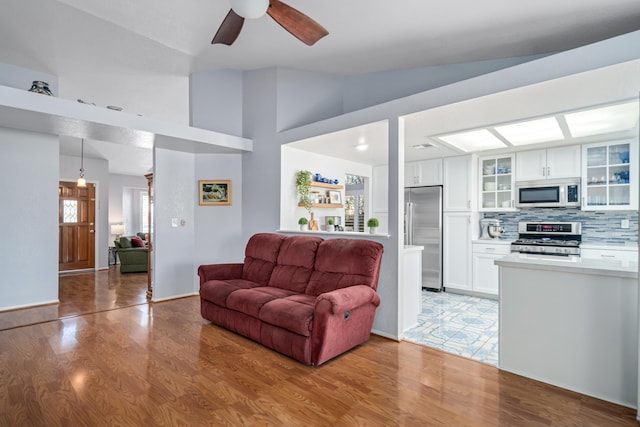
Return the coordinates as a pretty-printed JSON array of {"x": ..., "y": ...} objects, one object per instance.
[
  {"x": 413, "y": 248},
  {"x": 627, "y": 246},
  {"x": 335, "y": 233},
  {"x": 493, "y": 241},
  {"x": 600, "y": 267}
]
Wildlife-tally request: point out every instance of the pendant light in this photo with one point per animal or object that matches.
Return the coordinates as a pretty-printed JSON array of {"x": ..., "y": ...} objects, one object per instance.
[{"x": 81, "y": 181}]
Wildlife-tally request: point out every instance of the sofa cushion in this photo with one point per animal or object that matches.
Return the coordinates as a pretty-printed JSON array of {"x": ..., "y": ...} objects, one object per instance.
[
  {"x": 125, "y": 242},
  {"x": 294, "y": 313},
  {"x": 137, "y": 242},
  {"x": 261, "y": 255},
  {"x": 250, "y": 301},
  {"x": 217, "y": 291},
  {"x": 345, "y": 262},
  {"x": 295, "y": 263}
]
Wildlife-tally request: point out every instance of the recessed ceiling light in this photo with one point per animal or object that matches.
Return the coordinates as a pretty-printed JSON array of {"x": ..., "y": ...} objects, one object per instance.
[
  {"x": 532, "y": 131},
  {"x": 475, "y": 140},
  {"x": 362, "y": 147},
  {"x": 613, "y": 118},
  {"x": 422, "y": 146}
]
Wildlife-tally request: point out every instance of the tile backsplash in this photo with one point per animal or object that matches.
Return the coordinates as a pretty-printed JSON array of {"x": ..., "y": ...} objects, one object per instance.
[{"x": 597, "y": 227}]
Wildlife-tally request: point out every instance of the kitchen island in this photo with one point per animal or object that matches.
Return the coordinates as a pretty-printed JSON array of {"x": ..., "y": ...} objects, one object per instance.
[{"x": 572, "y": 323}]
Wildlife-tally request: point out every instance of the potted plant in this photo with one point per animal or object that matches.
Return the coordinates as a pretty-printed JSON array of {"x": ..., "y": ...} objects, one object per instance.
[
  {"x": 302, "y": 222},
  {"x": 303, "y": 184},
  {"x": 330, "y": 226},
  {"x": 373, "y": 224}
]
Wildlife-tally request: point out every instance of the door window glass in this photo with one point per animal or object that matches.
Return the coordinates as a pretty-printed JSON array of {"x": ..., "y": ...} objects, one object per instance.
[{"x": 70, "y": 211}]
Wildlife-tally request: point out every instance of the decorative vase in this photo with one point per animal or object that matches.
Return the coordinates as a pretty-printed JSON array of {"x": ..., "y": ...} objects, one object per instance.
[
  {"x": 331, "y": 228},
  {"x": 373, "y": 230},
  {"x": 40, "y": 87},
  {"x": 304, "y": 227}
]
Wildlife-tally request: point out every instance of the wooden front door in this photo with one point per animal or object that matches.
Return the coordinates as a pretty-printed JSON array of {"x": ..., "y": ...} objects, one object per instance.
[{"x": 76, "y": 218}]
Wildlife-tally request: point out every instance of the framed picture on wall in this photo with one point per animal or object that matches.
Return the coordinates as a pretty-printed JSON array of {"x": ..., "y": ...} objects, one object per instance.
[
  {"x": 335, "y": 197},
  {"x": 214, "y": 192}
]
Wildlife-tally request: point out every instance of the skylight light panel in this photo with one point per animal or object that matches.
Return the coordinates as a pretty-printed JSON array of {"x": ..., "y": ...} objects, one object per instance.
[
  {"x": 614, "y": 118},
  {"x": 532, "y": 131},
  {"x": 475, "y": 140}
]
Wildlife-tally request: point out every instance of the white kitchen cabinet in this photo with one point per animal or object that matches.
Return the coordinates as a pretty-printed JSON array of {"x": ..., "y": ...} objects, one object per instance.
[
  {"x": 458, "y": 183},
  {"x": 485, "y": 276},
  {"x": 609, "y": 176},
  {"x": 497, "y": 184},
  {"x": 623, "y": 253},
  {"x": 423, "y": 172},
  {"x": 552, "y": 163},
  {"x": 456, "y": 250}
]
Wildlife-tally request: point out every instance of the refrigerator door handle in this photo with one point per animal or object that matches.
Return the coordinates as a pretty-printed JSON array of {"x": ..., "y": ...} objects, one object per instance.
[{"x": 409, "y": 223}]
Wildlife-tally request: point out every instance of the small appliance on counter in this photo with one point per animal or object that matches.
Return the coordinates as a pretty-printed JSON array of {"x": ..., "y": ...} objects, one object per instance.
[
  {"x": 549, "y": 238},
  {"x": 490, "y": 229}
]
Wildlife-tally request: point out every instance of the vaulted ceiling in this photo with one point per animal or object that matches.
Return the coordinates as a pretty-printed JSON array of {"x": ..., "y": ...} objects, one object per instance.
[{"x": 139, "y": 40}]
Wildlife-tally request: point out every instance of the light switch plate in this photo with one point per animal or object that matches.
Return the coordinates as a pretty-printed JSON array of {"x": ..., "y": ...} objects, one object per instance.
[
  {"x": 624, "y": 223},
  {"x": 174, "y": 222}
]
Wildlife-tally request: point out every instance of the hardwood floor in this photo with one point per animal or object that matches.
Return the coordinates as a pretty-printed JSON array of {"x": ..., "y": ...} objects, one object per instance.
[
  {"x": 83, "y": 293},
  {"x": 162, "y": 364}
]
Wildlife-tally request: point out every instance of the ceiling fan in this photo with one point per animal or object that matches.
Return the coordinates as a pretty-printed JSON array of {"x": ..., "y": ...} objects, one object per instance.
[{"x": 297, "y": 23}]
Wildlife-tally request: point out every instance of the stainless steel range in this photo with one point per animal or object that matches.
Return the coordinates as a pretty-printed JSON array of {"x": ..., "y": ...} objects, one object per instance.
[{"x": 549, "y": 238}]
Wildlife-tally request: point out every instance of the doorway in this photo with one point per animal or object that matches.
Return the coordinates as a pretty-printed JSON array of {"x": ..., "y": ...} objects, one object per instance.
[{"x": 76, "y": 226}]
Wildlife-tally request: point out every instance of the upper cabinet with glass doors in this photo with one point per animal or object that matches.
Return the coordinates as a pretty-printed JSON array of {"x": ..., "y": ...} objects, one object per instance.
[
  {"x": 497, "y": 181},
  {"x": 609, "y": 172}
]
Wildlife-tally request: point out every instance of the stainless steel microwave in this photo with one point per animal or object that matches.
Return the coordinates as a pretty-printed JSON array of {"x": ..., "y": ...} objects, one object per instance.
[{"x": 548, "y": 193}]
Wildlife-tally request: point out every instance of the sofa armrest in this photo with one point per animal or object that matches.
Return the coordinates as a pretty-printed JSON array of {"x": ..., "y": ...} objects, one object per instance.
[
  {"x": 349, "y": 298},
  {"x": 220, "y": 272}
]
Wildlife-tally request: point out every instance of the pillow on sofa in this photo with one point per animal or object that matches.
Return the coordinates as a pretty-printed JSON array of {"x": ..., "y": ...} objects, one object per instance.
[
  {"x": 125, "y": 242},
  {"x": 137, "y": 242}
]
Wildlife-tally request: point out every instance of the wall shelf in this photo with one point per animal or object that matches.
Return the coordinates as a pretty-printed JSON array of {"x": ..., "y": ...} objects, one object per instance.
[
  {"x": 326, "y": 185},
  {"x": 324, "y": 205}
]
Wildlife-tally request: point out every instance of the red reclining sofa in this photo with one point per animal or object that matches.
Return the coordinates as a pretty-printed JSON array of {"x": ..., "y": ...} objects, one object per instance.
[{"x": 303, "y": 296}]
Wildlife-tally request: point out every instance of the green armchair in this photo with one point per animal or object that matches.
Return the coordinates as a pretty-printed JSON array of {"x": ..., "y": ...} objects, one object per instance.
[{"x": 132, "y": 259}]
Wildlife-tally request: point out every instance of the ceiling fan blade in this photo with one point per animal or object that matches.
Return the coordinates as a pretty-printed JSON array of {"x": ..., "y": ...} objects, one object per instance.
[
  {"x": 297, "y": 23},
  {"x": 229, "y": 29}
]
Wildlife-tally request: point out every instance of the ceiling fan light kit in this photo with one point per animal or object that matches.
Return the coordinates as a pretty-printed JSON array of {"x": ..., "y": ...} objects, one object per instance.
[
  {"x": 295, "y": 22},
  {"x": 250, "y": 9}
]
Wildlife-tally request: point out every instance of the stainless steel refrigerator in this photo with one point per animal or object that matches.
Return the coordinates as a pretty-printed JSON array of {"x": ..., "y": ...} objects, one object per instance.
[{"x": 423, "y": 227}]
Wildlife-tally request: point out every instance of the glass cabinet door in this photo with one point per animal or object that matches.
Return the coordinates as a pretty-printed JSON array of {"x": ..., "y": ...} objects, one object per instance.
[
  {"x": 607, "y": 177},
  {"x": 496, "y": 192}
]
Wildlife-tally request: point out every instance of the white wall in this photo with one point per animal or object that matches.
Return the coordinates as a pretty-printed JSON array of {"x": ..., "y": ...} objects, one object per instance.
[
  {"x": 305, "y": 97},
  {"x": 174, "y": 250},
  {"x": 22, "y": 78},
  {"x": 216, "y": 101},
  {"x": 29, "y": 218},
  {"x": 210, "y": 234},
  {"x": 261, "y": 167},
  {"x": 96, "y": 171},
  {"x": 294, "y": 160},
  {"x": 218, "y": 237},
  {"x": 162, "y": 97}
]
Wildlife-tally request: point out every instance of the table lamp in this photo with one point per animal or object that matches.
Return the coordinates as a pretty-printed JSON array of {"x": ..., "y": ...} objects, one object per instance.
[{"x": 117, "y": 229}]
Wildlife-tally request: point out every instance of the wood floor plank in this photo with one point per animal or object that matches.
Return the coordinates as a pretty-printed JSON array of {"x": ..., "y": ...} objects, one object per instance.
[{"x": 163, "y": 365}]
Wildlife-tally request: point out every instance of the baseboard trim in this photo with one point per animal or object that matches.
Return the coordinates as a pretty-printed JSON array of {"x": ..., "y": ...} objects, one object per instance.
[
  {"x": 386, "y": 335},
  {"x": 22, "y": 307}
]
